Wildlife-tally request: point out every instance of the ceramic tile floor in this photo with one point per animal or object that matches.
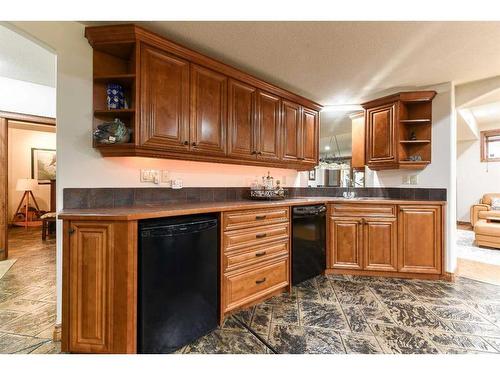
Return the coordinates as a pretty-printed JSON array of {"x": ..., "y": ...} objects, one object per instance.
[
  {"x": 328, "y": 314},
  {"x": 28, "y": 295},
  {"x": 337, "y": 314}
]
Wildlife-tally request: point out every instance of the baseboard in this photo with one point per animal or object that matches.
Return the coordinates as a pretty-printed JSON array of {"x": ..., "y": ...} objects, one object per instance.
[
  {"x": 401, "y": 275},
  {"x": 449, "y": 276},
  {"x": 56, "y": 335}
]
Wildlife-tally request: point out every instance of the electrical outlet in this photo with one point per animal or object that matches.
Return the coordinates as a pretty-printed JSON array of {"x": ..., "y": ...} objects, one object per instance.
[
  {"x": 414, "y": 179},
  {"x": 149, "y": 175},
  {"x": 406, "y": 180},
  {"x": 164, "y": 177},
  {"x": 176, "y": 184}
]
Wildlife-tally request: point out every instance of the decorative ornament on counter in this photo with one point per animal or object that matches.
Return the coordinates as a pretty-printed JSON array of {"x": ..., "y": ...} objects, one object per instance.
[
  {"x": 267, "y": 190},
  {"x": 413, "y": 136},
  {"x": 112, "y": 132}
]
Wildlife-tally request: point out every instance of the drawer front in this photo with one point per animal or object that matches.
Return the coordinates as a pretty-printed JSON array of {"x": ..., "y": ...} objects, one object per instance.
[
  {"x": 250, "y": 256},
  {"x": 244, "y": 287},
  {"x": 363, "y": 209},
  {"x": 251, "y": 218},
  {"x": 238, "y": 239}
]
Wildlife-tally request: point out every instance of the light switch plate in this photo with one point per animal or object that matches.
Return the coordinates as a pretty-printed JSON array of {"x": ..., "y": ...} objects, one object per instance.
[
  {"x": 148, "y": 175},
  {"x": 406, "y": 180},
  {"x": 164, "y": 177},
  {"x": 177, "y": 184}
]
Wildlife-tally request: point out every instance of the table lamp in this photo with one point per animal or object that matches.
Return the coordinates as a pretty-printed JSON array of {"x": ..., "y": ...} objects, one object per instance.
[{"x": 27, "y": 185}]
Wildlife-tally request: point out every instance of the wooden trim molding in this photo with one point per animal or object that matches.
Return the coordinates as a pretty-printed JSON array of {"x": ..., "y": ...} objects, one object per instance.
[
  {"x": 484, "y": 147},
  {"x": 28, "y": 118},
  {"x": 57, "y": 334}
]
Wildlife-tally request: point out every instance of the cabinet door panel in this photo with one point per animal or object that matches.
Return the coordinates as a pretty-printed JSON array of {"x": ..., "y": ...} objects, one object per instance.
[
  {"x": 380, "y": 244},
  {"x": 346, "y": 242},
  {"x": 241, "y": 120},
  {"x": 268, "y": 136},
  {"x": 420, "y": 239},
  {"x": 208, "y": 111},
  {"x": 164, "y": 100},
  {"x": 380, "y": 134},
  {"x": 310, "y": 136},
  {"x": 91, "y": 288},
  {"x": 291, "y": 130}
]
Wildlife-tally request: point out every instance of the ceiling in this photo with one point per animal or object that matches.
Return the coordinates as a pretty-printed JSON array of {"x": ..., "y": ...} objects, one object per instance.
[
  {"x": 345, "y": 62},
  {"x": 24, "y": 60}
]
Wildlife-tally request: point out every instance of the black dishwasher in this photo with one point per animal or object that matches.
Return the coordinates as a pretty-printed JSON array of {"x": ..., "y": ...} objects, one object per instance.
[
  {"x": 178, "y": 281},
  {"x": 308, "y": 242}
]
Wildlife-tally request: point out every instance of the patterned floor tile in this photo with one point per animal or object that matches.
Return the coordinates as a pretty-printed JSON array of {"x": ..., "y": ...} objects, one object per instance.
[
  {"x": 361, "y": 344},
  {"x": 10, "y": 343},
  {"x": 223, "y": 341},
  {"x": 472, "y": 328},
  {"x": 416, "y": 316},
  {"x": 456, "y": 313},
  {"x": 325, "y": 289},
  {"x": 314, "y": 314},
  {"x": 355, "y": 318},
  {"x": 288, "y": 339},
  {"x": 261, "y": 319},
  {"x": 453, "y": 340},
  {"x": 493, "y": 341},
  {"x": 395, "y": 339}
]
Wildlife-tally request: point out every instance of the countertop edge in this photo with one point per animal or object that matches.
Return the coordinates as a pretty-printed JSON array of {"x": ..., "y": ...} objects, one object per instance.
[{"x": 168, "y": 210}]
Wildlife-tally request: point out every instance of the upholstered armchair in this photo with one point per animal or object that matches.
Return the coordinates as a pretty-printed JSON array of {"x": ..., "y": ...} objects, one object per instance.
[
  {"x": 486, "y": 222},
  {"x": 483, "y": 209}
]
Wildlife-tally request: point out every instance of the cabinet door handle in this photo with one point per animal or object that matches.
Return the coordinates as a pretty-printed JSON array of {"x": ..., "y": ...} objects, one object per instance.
[
  {"x": 301, "y": 158},
  {"x": 260, "y": 152},
  {"x": 262, "y": 253},
  {"x": 71, "y": 231},
  {"x": 193, "y": 144},
  {"x": 260, "y": 281},
  {"x": 254, "y": 152},
  {"x": 363, "y": 221},
  {"x": 186, "y": 143},
  {"x": 260, "y": 217},
  {"x": 260, "y": 235}
]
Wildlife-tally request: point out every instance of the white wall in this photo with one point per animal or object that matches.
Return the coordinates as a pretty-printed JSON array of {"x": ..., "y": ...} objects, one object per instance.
[
  {"x": 441, "y": 173},
  {"x": 78, "y": 164},
  {"x": 20, "y": 143},
  {"x": 26, "y": 97},
  {"x": 474, "y": 178}
]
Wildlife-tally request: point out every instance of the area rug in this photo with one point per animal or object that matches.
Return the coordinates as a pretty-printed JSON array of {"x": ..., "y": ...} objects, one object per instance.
[
  {"x": 5, "y": 266},
  {"x": 478, "y": 263}
]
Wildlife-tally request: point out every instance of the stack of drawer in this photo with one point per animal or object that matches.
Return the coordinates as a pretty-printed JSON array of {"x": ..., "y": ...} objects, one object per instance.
[{"x": 255, "y": 252}]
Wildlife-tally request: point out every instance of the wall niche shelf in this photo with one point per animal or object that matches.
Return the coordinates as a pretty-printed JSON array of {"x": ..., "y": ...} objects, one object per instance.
[{"x": 398, "y": 128}]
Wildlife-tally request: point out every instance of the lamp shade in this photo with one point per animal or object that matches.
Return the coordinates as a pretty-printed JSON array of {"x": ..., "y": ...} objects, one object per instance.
[{"x": 24, "y": 184}]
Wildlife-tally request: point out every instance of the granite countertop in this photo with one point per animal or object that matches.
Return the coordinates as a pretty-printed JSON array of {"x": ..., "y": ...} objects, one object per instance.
[{"x": 177, "y": 209}]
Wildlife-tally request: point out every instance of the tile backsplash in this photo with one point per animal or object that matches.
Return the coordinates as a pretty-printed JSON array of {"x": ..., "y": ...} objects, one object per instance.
[{"x": 129, "y": 197}]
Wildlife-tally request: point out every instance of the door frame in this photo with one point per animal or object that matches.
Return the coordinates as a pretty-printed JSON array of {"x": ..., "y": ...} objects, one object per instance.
[{"x": 5, "y": 117}]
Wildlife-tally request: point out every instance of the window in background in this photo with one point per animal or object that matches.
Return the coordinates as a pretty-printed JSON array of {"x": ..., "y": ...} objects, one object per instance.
[{"x": 490, "y": 145}]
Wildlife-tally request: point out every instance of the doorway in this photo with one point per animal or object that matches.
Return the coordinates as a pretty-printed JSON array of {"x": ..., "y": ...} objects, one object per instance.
[{"x": 27, "y": 189}]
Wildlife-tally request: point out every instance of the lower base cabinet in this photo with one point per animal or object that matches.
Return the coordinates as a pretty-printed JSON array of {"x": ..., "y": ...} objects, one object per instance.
[
  {"x": 99, "y": 287},
  {"x": 408, "y": 241}
]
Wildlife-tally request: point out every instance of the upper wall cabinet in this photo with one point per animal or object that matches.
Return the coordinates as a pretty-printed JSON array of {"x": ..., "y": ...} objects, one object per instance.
[
  {"x": 398, "y": 131},
  {"x": 181, "y": 104}
]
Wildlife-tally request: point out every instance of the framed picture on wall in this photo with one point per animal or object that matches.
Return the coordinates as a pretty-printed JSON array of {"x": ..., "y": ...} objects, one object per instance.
[
  {"x": 312, "y": 175},
  {"x": 43, "y": 165}
]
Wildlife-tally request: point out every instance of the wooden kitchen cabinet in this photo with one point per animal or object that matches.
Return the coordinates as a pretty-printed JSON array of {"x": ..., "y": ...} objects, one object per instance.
[
  {"x": 309, "y": 136},
  {"x": 346, "y": 242},
  {"x": 291, "y": 131},
  {"x": 381, "y": 137},
  {"x": 268, "y": 126},
  {"x": 380, "y": 244},
  {"x": 398, "y": 131},
  {"x": 164, "y": 100},
  {"x": 185, "y": 105},
  {"x": 420, "y": 239},
  {"x": 208, "y": 111},
  {"x": 99, "y": 287},
  {"x": 241, "y": 135}
]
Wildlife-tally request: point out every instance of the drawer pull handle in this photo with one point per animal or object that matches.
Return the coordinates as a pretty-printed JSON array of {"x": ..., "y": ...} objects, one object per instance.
[
  {"x": 260, "y": 217},
  {"x": 262, "y": 253},
  {"x": 260, "y": 235},
  {"x": 260, "y": 281}
]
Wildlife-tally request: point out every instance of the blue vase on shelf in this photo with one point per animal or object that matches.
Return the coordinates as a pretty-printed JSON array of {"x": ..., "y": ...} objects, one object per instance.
[{"x": 115, "y": 97}]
